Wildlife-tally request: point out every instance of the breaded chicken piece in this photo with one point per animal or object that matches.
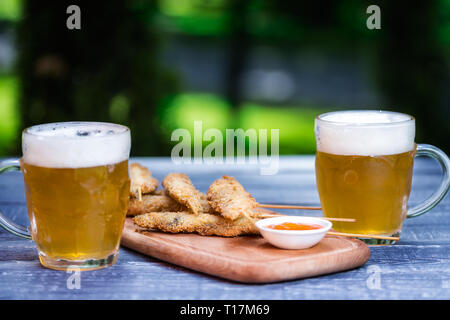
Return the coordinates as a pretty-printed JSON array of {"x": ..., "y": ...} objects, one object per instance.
[
  {"x": 142, "y": 181},
  {"x": 228, "y": 197},
  {"x": 150, "y": 202},
  {"x": 180, "y": 188},
  {"x": 204, "y": 224},
  {"x": 206, "y": 208},
  {"x": 158, "y": 201}
]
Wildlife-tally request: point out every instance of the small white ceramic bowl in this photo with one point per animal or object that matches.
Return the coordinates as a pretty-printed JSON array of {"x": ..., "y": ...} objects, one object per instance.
[{"x": 293, "y": 239}]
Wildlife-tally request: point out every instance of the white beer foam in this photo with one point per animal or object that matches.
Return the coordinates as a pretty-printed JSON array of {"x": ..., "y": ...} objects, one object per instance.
[
  {"x": 75, "y": 144},
  {"x": 365, "y": 133}
]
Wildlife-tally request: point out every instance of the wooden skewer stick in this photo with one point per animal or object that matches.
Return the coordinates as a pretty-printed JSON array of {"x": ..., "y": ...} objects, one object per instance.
[
  {"x": 286, "y": 206},
  {"x": 140, "y": 193},
  {"x": 333, "y": 233},
  {"x": 268, "y": 215},
  {"x": 357, "y": 235}
]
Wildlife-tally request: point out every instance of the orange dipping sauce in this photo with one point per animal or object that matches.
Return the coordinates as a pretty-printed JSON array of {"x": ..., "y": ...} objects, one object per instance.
[{"x": 294, "y": 226}]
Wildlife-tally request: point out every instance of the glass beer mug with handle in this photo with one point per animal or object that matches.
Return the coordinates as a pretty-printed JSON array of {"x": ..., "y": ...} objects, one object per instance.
[
  {"x": 77, "y": 191},
  {"x": 364, "y": 167}
]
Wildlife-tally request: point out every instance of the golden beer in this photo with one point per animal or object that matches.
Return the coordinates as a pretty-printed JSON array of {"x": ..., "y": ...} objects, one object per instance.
[
  {"x": 364, "y": 164},
  {"x": 77, "y": 213},
  {"x": 77, "y": 189},
  {"x": 374, "y": 190}
]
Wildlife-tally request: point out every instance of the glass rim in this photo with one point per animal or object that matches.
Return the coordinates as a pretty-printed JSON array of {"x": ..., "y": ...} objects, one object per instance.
[
  {"x": 410, "y": 119},
  {"x": 123, "y": 129}
]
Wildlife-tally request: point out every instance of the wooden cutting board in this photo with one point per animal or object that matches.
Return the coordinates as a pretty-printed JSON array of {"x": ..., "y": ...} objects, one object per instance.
[{"x": 247, "y": 258}]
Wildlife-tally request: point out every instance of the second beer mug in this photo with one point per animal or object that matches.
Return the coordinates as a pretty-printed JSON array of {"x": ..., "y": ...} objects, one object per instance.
[
  {"x": 77, "y": 189},
  {"x": 364, "y": 166}
]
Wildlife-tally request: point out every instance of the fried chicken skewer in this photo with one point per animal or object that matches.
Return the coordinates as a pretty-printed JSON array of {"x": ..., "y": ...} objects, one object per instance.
[
  {"x": 226, "y": 210},
  {"x": 180, "y": 188},
  {"x": 158, "y": 201},
  {"x": 204, "y": 224},
  {"x": 143, "y": 187},
  {"x": 228, "y": 197},
  {"x": 142, "y": 181},
  {"x": 152, "y": 203}
]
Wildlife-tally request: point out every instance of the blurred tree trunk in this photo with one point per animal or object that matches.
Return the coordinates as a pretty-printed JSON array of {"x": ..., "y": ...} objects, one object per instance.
[
  {"x": 411, "y": 68},
  {"x": 107, "y": 71},
  {"x": 238, "y": 47}
]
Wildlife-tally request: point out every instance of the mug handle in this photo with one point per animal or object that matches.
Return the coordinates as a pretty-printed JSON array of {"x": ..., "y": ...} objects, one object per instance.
[
  {"x": 439, "y": 194},
  {"x": 5, "y": 223}
]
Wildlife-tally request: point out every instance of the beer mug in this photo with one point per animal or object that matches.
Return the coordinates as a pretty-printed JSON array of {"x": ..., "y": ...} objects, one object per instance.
[
  {"x": 77, "y": 190},
  {"x": 364, "y": 167}
]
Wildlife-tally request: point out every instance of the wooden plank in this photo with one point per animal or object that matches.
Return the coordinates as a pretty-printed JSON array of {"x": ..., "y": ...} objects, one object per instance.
[{"x": 405, "y": 273}]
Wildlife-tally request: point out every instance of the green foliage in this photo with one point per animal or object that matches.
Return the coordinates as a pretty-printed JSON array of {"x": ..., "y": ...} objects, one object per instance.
[
  {"x": 195, "y": 17},
  {"x": 295, "y": 124},
  {"x": 9, "y": 117},
  {"x": 443, "y": 23},
  {"x": 10, "y": 10},
  {"x": 185, "y": 108}
]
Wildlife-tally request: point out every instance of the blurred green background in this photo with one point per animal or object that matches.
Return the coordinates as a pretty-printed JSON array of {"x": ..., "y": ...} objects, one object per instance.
[{"x": 159, "y": 65}]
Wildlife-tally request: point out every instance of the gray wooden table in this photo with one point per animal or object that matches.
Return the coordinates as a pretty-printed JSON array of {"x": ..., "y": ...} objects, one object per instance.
[{"x": 418, "y": 267}]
